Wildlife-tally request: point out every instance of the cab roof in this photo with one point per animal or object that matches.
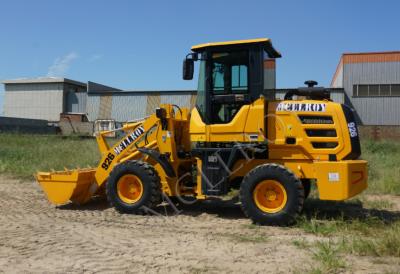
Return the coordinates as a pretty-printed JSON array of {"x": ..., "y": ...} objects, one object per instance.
[{"x": 272, "y": 52}]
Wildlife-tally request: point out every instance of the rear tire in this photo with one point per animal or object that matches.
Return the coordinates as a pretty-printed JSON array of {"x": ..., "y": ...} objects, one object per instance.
[
  {"x": 133, "y": 187},
  {"x": 271, "y": 194}
]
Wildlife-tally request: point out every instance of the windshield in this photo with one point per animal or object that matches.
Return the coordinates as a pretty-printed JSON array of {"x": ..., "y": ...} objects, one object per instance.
[
  {"x": 229, "y": 72},
  {"x": 223, "y": 73}
]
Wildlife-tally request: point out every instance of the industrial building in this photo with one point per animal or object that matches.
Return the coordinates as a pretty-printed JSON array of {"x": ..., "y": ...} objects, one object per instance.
[
  {"x": 371, "y": 82},
  {"x": 43, "y": 98},
  {"x": 46, "y": 98}
]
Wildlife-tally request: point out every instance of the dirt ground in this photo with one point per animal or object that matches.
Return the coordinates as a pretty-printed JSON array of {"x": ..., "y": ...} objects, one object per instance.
[{"x": 211, "y": 237}]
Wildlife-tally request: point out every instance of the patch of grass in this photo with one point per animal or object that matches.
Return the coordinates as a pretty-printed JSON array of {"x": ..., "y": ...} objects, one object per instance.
[
  {"x": 384, "y": 170},
  {"x": 316, "y": 226},
  {"x": 327, "y": 254},
  {"x": 255, "y": 237},
  {"x": 301, "y": 243},
  {"x": 380, "y": 242},
  {"x": 340, "y": 226},
  {"x": 365, "y": 227},
  {"x": 378, "y": 204},
  {"x": 251, "y": 226},
  {"x": 316, "y": 270},
  {"x": 22, "y": 155},
  {"x": 370, "y": 236}
]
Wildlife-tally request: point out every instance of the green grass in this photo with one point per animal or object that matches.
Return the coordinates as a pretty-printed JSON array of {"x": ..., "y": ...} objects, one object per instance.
[
  {"x": 301, "y": 243},
  {"x": 363, "y": 236},
  {"x": 22, "y": 155},
  {"x": 357, "y": 230},
  {"x": 327, "y": 253},
  {"x": 384, "y": 169},
  {"x": 250, "y": 238},
  {"x": 380, "y": 242},
  {"x": 376, "y": 203}
]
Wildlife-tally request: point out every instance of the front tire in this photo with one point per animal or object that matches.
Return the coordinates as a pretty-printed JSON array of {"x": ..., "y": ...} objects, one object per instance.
[
  {"x": 133, "y": 187},
  {"x": 271, "y": 194}
]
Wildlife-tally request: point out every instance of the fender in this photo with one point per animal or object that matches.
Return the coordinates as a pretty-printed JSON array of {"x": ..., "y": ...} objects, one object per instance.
[{"x": 159, "y": 158}]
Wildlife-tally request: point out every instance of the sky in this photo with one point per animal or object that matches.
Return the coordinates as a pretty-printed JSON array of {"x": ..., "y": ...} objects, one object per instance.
[{"x": 140, "y": 45}]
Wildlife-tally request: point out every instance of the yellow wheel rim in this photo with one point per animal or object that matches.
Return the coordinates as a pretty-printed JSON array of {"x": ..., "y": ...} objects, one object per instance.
[
  {"x": 270, "y": 196},
  {"x": 130, "y": 188}
]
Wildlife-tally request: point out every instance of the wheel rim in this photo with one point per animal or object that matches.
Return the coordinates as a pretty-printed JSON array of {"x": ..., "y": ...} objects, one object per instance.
[
  {"x": 270, "y": 196},
  {"x": 130, "y": 188}
]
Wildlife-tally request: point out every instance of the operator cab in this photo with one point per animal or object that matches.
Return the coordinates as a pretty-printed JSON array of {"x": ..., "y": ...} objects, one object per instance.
[{"x": 231, "y": 75}]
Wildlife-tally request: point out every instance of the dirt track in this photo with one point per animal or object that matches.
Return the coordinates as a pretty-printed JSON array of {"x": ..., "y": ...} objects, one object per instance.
[{"x": 37, "y": 237}]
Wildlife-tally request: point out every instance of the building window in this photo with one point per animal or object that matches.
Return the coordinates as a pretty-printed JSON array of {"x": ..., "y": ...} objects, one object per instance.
[
  {"x": 376, "y": 90},
  {"x": 395, "y": 90},
  {"x": 384, "y": 90}
]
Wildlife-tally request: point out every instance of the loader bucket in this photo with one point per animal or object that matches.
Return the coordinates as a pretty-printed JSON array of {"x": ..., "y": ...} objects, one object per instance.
[{"x": 76, "y": 185}]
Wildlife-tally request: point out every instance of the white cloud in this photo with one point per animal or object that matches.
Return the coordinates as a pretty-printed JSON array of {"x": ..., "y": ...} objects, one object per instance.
[
  {"x": 95, "y": 57},
  {"x": 61, "y": 64}
]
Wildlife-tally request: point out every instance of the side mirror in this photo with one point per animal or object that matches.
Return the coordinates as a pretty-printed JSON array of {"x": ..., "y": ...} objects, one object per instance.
[{"x": 188, "y": 69}]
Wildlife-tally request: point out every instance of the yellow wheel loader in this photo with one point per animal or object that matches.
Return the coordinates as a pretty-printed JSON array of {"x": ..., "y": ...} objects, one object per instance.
[{"x": 238, "y": 135}]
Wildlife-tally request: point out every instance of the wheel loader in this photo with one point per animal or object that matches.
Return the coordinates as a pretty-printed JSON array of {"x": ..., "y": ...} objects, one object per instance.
[{"x": 236, "y": 136}]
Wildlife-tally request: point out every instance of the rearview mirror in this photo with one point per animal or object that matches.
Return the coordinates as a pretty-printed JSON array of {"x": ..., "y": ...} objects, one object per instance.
[{"x": 188, "y": 68}]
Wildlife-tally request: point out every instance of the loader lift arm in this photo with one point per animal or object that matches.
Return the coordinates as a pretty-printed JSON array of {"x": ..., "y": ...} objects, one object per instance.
[{"x": 152, "y": 139}]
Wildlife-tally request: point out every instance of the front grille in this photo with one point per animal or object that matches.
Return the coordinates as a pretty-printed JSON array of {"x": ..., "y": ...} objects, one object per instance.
[
  {"x": 321, "y": 132},
  {"x": 322, "y": 145},
  {"x": 314, "y": 119}
]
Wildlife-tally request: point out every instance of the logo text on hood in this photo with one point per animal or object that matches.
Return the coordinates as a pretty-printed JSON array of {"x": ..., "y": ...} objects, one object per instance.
[{"x": 301, "y": 107}]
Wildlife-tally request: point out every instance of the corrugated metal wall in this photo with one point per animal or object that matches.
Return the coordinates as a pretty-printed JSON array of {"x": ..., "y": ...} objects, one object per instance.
[
  {"x": 125, "y": 106},
  {"x": 373, "y": 110},
  {"x": 338, "y": 77},
  {"x": 75, "y": 98},
  {"x": 34, "y": 101},
  {"x": 76, "y": 102}
]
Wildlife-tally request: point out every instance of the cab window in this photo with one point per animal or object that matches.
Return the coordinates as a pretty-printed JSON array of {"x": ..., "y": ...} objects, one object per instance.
[
  {"x": 229, "y": 72},
  {"x": 229, "y": 75}
]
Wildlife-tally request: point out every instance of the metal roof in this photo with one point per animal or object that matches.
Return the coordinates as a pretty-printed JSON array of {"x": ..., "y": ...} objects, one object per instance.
[
  {"x": 371, "y": 57},
  {"x": 366, "y": 57},
  {"x": 273, "y": 53},
  {"x": 43, "y": 80}
]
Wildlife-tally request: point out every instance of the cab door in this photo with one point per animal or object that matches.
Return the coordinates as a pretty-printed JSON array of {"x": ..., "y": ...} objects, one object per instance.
[{"x": 229, "y": 95}]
